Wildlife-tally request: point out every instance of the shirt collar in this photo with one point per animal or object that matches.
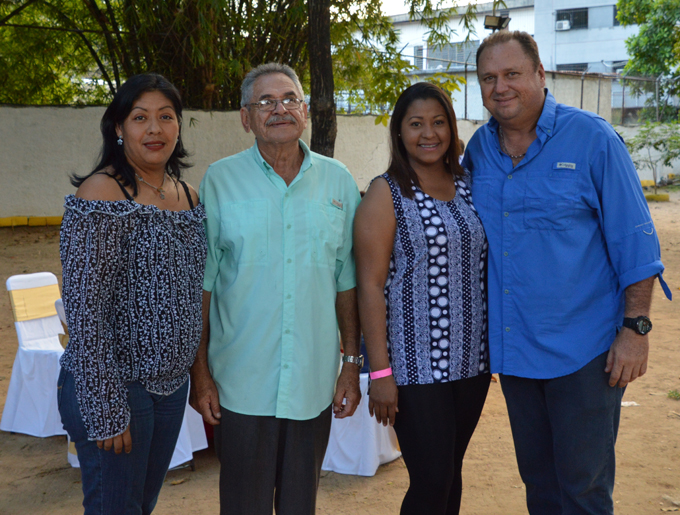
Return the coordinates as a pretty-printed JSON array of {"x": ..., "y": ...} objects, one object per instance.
[
  {"x": 264, "y": 166},
  {"x": 546, "y": 122}
]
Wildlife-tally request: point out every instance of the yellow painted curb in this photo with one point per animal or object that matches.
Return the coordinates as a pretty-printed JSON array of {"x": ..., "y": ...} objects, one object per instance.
[
  {"x": 660, "y": 197},
  {"x": 33, "y": 221},
  {"x": 647, "y": 183}
]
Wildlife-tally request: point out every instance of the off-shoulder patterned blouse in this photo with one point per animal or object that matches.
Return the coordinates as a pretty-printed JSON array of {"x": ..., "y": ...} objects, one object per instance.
[{"x": 132, "y": 288}]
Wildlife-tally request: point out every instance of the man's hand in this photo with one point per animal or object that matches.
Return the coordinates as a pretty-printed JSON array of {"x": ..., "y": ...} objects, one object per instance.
[
  {"x": 347, "y": 389},
  {"x": 120, "y": 442},
  {"x": 383, "y": 400},
  {"x": 204, "y": 397},
  {"x": 627, "y": 358}
]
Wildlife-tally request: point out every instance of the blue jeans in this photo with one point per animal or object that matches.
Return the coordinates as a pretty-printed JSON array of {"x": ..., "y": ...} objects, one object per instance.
[
  {"x": 125, "y": 484},
  {"x": 564, "y": 431}
]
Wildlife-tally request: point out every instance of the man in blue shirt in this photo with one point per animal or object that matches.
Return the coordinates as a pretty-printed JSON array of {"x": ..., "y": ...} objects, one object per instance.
[{"x": 572, "y": 261}]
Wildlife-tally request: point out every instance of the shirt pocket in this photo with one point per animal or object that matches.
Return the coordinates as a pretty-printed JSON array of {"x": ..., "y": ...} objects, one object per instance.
[
  {"x": 245, "y": 231},
  {"x": 551, "y": 199},
  {"x": 326, "y": 230}
]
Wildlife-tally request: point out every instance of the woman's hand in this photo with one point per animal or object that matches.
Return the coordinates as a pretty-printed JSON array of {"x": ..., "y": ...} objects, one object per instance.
[
  {"x": 383, "y": 400},
  {"x": 120, "y": 442}
]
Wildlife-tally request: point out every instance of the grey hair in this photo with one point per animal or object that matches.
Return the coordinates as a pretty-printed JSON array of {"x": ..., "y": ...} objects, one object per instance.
[{"x": 266, "y": 69}]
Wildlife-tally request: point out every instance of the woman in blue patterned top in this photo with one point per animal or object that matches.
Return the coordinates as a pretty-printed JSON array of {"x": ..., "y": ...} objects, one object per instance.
[
  {"x": 133, "y": 254},
  {"x": 421, "y": 263}
]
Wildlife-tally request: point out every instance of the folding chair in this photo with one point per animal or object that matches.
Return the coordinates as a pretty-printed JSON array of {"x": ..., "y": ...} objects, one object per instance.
[{"x": 31, "y": 405}]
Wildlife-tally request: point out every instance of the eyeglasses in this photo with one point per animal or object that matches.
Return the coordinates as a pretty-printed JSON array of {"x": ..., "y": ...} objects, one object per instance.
[{"x": 269, "y": 104}]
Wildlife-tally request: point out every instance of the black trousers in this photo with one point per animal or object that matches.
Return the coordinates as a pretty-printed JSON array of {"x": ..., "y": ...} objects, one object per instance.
[
  {"x": 269, "y": 459},
  {"x": 434, "y": 425}
]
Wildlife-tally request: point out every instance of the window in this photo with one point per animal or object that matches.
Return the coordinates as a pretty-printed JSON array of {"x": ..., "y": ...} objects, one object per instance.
[
  {"x": 616, "y": 21},
  {"x": 453, "y": 56},
  {"x": 577, "y": 18},
  {"x": 418, "y": 54},
  {"x": 575, "y": 67}
]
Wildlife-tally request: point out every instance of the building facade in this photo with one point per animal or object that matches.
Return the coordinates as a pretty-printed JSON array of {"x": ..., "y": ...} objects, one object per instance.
[{"x": 581, "y": 36}]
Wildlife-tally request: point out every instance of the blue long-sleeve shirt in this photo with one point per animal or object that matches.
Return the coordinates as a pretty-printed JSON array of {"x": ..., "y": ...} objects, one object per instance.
[{"x": 569, "y": 229}]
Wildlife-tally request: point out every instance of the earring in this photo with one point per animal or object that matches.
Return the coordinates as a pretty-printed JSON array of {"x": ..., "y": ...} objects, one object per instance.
[{"x": 120, "y": 140}]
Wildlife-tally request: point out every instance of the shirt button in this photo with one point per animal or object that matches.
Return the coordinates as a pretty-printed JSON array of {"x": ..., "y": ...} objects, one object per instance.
[
  {"x": 506, "y": 214},
  {"x": 289, "y": 296},
  {"x": 287, "y": 331},
  {"x": 507, "y": 329},
  {"x": 288, "y": 226},
  {"x": 507, "y": 291},
  {"x": 510, "y": 176},
  {"x": 289, "y": 260},
  {"x": 505, "y": 254},
  {"x": 285, "y": 366}
]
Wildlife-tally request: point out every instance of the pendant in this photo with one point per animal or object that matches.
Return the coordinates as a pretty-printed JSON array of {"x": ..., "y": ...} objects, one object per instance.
[{"x": 162, "y": 193}]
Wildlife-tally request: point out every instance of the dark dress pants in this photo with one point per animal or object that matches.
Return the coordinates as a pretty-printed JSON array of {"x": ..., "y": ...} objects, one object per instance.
[{"x": 267, "y": 460}]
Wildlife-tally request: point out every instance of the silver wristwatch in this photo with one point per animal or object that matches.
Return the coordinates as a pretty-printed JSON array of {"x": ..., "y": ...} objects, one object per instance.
[{"x": 357, "y": 360}]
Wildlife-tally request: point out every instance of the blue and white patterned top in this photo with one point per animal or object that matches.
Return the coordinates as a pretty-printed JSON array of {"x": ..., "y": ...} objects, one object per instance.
[
  {"x": 436, "y": 289},
  {"x": 132, "y": 277}
]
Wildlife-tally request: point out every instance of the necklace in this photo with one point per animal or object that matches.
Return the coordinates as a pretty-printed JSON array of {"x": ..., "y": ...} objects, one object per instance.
[
  {"x": 505, "y": 149},
  {"x": 159, "y": 189}
]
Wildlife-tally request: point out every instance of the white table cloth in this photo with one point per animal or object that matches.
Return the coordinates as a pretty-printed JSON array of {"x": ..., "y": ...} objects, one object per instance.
[{"x": 358, "y": 445}]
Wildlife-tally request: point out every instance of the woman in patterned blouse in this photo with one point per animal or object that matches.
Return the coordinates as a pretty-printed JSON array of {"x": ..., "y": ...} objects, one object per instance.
[
  {"x": 133, "y": 253},
  {"x": 421, "y": 263}
]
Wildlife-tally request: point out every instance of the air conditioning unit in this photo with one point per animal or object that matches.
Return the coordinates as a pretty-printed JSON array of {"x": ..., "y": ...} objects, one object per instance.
[{"x": 562, "y": 25}]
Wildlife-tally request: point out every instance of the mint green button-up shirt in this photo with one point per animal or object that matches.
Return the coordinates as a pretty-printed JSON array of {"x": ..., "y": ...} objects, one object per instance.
[{"x": 277, "y": 256}]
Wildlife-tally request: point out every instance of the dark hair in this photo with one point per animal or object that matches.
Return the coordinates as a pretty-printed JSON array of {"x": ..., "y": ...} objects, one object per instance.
[
  {"x": 400, "y": 169},
  {"x": 504, "y": 36},
  {"x": 120, "y": 107}
]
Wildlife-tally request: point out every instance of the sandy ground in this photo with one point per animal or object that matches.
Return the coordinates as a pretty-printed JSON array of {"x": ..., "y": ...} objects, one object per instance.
[{"x": 36, "y": 479}]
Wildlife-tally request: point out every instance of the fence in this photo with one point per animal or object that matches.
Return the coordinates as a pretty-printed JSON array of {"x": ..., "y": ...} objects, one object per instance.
[{"x": 618, "y": 99}]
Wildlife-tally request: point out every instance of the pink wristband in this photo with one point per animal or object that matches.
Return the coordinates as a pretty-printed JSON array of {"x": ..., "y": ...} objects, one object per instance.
[{"x": 381, "y": 373}]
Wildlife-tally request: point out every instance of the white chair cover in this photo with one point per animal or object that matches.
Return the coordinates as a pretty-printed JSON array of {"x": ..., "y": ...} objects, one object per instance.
[
  {"x": 191, "y": 438},
  {"x": 31, "y": 405},
  {"x": 358, "y": 445}
]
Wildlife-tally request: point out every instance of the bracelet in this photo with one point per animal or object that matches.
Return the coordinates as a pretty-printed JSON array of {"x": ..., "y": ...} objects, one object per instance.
[{"x": 381, "y": 373}]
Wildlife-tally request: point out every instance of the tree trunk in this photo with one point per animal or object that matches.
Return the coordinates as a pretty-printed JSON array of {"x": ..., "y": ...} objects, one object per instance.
[{"x": 322, "y": 105}]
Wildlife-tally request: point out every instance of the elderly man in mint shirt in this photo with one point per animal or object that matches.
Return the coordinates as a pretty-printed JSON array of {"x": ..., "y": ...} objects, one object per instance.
[
  {"x": 573, "y": 255},
  {"x": 279, "y": 282}
]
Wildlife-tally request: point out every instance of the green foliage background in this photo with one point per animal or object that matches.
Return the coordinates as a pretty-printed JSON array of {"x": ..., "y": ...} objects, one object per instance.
[
  {"x": 655, "y": 50},
  {"x": 80, "y": 51}
]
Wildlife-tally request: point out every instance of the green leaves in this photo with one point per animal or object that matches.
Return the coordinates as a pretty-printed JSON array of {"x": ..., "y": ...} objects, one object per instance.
[
  {"x": 80, "y": 51},
  {"x": 655, "y": 144},
  {"x": 655, "y": 50}
]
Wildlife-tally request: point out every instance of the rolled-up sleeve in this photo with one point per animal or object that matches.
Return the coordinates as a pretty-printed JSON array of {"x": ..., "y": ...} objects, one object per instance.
[
  {"x": 632, "y": 241},
  {"x": 91, "y": 258}
]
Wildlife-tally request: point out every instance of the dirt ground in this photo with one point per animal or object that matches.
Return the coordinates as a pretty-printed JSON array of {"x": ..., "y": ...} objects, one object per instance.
[{"x": 35, "y": 477}]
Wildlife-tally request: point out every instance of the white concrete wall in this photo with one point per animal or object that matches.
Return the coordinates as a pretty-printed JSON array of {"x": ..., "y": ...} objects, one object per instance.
[
  {"x": 41, "y": 146},
  {"x": 414, "y": 33},
  {"x": 601, "y": 41}
]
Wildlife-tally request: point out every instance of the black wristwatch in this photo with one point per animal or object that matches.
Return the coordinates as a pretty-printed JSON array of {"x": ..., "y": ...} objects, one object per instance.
[{"x": 641, "y": 324}]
